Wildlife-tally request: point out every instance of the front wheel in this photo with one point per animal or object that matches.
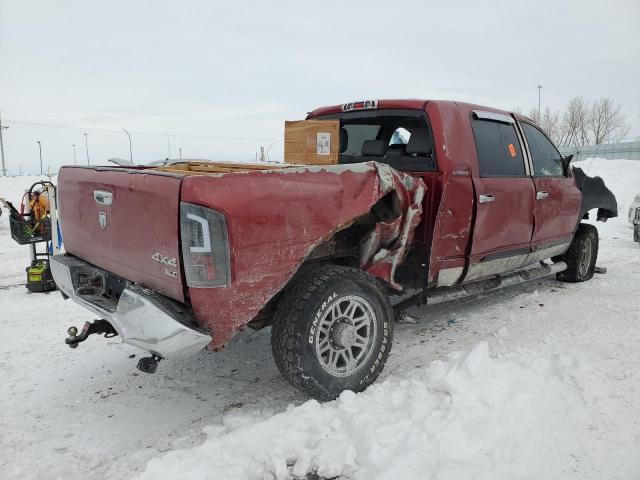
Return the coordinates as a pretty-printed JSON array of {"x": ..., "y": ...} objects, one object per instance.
[
  {"x": 581, "y": 256},
  {"x": 332, "y": 331}
]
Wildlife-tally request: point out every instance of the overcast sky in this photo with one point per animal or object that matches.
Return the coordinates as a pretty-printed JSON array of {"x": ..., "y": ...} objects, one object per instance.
[{"x": 218, "y": 79}]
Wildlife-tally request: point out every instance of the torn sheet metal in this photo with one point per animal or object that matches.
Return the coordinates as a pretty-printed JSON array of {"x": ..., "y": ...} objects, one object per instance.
[
  {"x": 595, "y": 194},
  {"x": 276, "y": 218},
  {"x": 396, "y": 236}
]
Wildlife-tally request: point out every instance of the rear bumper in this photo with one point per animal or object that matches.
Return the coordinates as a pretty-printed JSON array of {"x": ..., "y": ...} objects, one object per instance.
[{"x": 141, "y": 317}]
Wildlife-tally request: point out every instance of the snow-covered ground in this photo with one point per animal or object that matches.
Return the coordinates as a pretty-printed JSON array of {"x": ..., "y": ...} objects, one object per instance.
[{"x": 538, "y": 381}]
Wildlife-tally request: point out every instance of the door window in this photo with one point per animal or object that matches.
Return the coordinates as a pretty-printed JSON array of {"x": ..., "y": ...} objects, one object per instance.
[
  {"x": 499, "y": 153},
  {"x": 547, "y": 162}
]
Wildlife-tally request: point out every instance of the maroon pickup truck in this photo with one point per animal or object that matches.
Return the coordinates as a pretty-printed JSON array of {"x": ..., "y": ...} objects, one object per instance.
[{"x": 431, "y": 200}]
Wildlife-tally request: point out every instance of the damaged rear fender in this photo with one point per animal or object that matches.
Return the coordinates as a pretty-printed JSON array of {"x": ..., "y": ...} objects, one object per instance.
[{"x": 282, "y": 216}]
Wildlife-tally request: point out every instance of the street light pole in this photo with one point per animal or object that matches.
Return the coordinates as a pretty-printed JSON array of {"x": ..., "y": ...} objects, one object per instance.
[
  {"x": 130, "y": 151},
  {"x": 40, "y": 149},
  {"x": 75, "y": 160},
  {"x": 2, "y": 127},
  {"x": 539, "y": 111},
  {"x": 86, "y": 144}
]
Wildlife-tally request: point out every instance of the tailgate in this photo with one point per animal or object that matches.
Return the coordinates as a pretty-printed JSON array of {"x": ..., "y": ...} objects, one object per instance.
[{"x": 124, "y": 221}]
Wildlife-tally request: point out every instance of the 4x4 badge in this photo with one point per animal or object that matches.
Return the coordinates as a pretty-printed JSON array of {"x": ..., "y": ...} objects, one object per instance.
[{"x": 102, "y": 220}]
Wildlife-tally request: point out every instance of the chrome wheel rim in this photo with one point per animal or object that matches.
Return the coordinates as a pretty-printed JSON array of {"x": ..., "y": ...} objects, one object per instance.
[
  {"x": 585, "y": 258},
  {"x": 345, "y": 335}
]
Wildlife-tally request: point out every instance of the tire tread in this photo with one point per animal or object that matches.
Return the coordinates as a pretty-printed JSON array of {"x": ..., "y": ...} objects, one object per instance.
[
  {"x": 572, "y": 255},
  {"x": 286, "y": 342}
]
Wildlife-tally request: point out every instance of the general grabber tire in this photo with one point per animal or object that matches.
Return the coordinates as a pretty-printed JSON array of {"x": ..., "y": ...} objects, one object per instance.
[
  {"x": 581, "y": 256},
  {"x": 332, "y": 331}
]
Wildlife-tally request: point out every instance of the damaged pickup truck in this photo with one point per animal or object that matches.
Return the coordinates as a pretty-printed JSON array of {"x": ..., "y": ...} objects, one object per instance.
[{"x": 432, "y": 200}]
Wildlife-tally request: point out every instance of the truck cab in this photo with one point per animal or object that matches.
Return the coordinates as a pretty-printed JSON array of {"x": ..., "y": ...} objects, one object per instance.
[{"x": 499, "y": 196}]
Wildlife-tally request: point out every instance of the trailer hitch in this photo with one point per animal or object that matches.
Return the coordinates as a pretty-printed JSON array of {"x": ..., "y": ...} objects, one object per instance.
[{"x": 98, "y": 327}]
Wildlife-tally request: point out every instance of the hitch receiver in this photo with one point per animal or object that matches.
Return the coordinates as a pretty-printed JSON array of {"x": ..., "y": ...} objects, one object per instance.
[{"x": 98, "y": 327}]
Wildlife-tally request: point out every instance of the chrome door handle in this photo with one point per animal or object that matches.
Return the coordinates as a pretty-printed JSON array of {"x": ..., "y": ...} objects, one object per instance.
[
  {"x": 102, "y": 197},
  {"x": 487, "y": 198},
  {"x": 542, "y": 195}
]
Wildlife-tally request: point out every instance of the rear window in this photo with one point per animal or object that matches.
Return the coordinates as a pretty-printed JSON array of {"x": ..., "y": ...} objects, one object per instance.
[
  {"x": 400, "y": 138},
  {"x": 499, "y": 153},
  {"x": 356, "y": 136}
]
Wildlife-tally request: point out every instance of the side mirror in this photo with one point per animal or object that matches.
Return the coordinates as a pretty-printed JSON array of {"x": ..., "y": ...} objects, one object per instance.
[{"x": 565, "y": 163}]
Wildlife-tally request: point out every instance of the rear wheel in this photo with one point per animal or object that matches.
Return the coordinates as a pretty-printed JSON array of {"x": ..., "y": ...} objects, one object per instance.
[
  {"x": 636, "y": 233},
  {"x": 332, "y": 331},
  {"x": 581, "y": 256}
]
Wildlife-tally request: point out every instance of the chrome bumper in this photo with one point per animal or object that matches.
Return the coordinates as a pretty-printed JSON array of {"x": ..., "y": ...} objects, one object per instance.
[{"x": 141, "y": 317}]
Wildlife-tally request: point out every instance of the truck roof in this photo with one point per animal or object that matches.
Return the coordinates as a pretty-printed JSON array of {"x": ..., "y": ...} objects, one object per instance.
[{"x": 410, "y": 103}]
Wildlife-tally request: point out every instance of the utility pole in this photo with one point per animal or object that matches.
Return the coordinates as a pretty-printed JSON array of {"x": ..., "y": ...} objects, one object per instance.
[
  {"x": 75, "y": 159},
  {"x": 40, "y": 149},
  {"x": 130, "y": 151},
  {"x": 539, "y": 111},
  {"x": 168, "y": 148},
  {"x": 2, "y": 127},
  {"x": 180, "y": 150},
  {"x": 86, "y": 144}
]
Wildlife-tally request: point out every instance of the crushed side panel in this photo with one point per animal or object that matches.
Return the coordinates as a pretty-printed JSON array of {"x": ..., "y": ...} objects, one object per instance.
[{"x": 276, "y": 218}]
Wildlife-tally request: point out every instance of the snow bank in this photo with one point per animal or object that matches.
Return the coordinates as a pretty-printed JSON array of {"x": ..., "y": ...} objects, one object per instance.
[{"x": 470, "y": 415}]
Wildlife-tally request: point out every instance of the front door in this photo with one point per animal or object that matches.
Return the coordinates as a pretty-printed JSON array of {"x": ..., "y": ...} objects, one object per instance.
[
  {"x": 504, "y": 198},
  {"x": 558, "y": 198}
]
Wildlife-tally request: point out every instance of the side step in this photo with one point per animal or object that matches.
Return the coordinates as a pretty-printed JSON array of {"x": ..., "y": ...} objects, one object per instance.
[{"x": 446, "y": 294}]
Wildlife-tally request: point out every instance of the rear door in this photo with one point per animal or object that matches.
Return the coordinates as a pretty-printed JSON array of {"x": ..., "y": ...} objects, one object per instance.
[
  {"x": 124, "y": 221},
  {"x": 558, "y": 198},
  {"x": 504, "y": 198}
]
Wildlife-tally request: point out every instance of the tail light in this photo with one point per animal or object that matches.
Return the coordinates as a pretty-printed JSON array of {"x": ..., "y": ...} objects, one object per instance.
[{"x": 205, "y": 246}]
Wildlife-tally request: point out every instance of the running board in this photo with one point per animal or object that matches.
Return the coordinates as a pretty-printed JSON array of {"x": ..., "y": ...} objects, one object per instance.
[{"x": 446, "y": 294}]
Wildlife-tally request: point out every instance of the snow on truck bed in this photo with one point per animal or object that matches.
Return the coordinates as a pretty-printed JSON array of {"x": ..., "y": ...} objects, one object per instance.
[{"x": 538, "y": 381}]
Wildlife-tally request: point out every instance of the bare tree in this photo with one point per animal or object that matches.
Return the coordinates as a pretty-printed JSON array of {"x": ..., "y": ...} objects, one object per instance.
[
  {"x": 582, "y": 124},
  {"x": 606, "y": 123},
  {"x": 549, "y": 122},
  {"x": 573, "y": 126}
]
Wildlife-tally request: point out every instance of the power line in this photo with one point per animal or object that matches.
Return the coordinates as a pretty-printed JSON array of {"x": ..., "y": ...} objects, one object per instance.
[{"x": 154, "y": 134}]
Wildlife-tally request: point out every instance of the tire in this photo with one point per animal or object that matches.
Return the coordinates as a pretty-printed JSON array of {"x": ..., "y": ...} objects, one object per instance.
[
  {"x": 581, "y": 256},
  {"x": 332, "y": 331},
  {"x": 636, "y": 233}
]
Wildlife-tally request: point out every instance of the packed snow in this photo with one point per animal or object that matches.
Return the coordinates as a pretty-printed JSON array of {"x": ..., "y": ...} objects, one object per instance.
[{"x": 537, "y": 381}]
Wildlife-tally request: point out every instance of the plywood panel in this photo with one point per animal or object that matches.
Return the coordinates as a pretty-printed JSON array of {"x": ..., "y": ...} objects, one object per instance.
[
  {"x": 198, "y": 168},
  {"x": 312, "y": 142}
]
